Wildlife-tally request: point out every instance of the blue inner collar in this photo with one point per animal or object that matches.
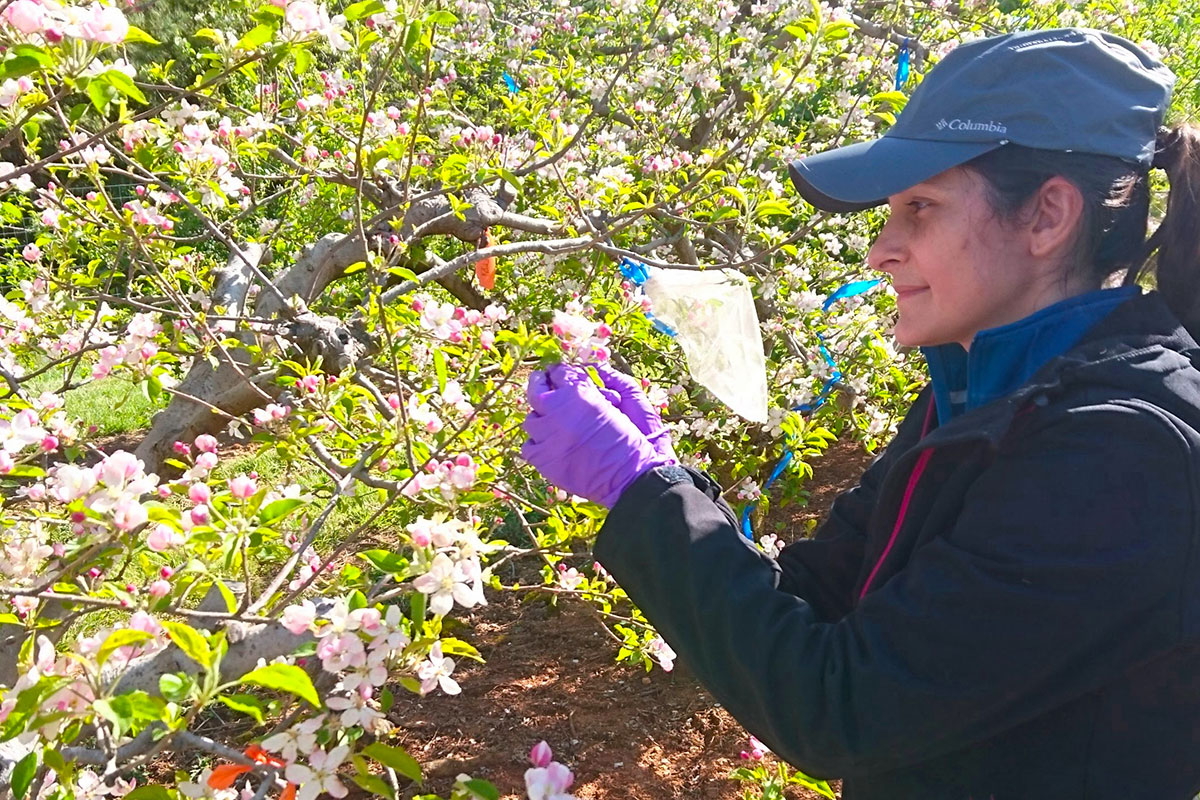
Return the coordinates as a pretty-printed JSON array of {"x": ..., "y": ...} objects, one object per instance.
[{"x": 1003, "y": 358}]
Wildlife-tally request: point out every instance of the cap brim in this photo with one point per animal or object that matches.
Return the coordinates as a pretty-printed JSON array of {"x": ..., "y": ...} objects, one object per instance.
[{"x": 864, "y": 175}]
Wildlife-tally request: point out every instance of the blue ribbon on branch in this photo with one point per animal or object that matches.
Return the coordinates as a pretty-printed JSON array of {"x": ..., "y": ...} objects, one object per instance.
[
  {"x": 637, "y": 274},
  {"x": 846, "y": 290},
  {"x": 510, "y": 82},
  {"x": 902, "y": 65}
]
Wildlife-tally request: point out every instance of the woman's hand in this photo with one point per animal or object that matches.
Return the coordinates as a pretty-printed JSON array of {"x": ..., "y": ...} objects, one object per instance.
[
  {"x": 580, "y": 441},
  {"x": 625, "y": 392}
]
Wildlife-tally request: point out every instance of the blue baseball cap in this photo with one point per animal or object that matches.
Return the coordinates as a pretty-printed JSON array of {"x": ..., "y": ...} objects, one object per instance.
[{"x": 1067, "y": 89}]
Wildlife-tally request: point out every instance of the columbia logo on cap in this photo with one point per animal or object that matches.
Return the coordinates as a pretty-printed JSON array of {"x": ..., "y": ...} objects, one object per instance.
[{"x": 970, "y": 125}]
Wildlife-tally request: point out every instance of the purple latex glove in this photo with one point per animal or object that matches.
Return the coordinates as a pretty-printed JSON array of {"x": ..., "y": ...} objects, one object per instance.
[
  {"x": 631, "y": 401},
  {"x": 579, "y": 441}
]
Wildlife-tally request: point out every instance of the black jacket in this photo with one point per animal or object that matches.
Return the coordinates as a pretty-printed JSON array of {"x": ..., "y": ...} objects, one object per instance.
[{"x": 1030, "y": 626}]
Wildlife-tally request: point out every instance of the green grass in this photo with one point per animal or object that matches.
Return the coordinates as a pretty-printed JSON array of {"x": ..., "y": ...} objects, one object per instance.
[
  {"x": 114, "y": 406},
  {"x": 350, "y": 512}
]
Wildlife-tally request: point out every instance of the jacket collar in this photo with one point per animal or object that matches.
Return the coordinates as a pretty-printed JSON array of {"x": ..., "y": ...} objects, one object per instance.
[
  {"x": 1003, "y": 358},
  {"x": 1135, "y": 349}
]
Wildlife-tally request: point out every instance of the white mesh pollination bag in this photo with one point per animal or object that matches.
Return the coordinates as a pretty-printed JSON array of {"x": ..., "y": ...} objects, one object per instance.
[{"x": 712, "y": 315}]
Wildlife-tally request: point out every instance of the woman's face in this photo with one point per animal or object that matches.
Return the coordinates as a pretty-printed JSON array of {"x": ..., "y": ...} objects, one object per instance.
[{"x": 955, "y": 267}]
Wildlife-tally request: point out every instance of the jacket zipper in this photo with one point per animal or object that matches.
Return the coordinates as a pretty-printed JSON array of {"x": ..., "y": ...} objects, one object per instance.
[{"x": 913, "y": 478}]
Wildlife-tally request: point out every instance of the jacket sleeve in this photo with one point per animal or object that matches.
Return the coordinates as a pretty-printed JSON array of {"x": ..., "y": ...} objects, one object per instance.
[
  {"x": 1063, "y": 569},
  {"x": 825, "y": 568}
]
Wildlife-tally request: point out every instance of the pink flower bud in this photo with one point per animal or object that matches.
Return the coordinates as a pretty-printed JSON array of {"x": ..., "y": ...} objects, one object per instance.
[
  {"x": 199, "y": 493},
  {"x": 206, "y": 443},
  {"x": 206, "y": 461},
  {"x": 541, "y": 755},
  {"x": 242, "y": 487},
  {"x": 160, "y": 588},
  {"x": 166, "y": 572},
  {"x": 182, "y": 448},
  {"x": 199, "y": 515},
  {"x": 49, "y": 444}
]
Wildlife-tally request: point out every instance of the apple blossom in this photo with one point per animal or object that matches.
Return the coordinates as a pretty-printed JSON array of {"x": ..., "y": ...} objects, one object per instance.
[{"x": 26, "y": 16}]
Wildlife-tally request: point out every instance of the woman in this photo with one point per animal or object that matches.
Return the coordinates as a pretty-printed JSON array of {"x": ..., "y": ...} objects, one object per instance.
[{"x": 1008, "y": 604}]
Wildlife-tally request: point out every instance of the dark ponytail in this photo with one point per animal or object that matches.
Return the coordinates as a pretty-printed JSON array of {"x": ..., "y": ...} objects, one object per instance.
[
  {"x": 1116, "y": 195},
  {"x": 1175, "y": 246}
]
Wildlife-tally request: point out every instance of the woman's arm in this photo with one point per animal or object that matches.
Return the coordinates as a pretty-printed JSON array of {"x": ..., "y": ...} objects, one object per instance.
[{"x": 1007, "y": 615}]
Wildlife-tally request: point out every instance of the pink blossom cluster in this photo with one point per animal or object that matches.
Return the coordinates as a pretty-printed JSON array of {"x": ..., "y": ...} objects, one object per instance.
[
  {"x": 336, "y": 86},
  {"x": 661, "y": 652},
  {"x": 756, "y": 752},
  {"x": 483, "y": 135},
  {"x": 51, "y": 21},
  {"x": 112, "y": 488},
  {"x": 547, "y": 779},
  {"x": 304, "y": 17},
  {"x": 446, "y": 562},
  {"x": 136, "y": 351},
  {"x": 449, "y": 477},
  {"x": 581, "y": 338},
  {"x": 271, "y": 413},
  {"x": 148, "y": 216},
  {"x": 449, "y": 322},
  {"x": 361, "y": 647}
]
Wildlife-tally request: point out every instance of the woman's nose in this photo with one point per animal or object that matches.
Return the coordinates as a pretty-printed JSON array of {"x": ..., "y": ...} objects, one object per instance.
[{"x": 884, "y": 255}]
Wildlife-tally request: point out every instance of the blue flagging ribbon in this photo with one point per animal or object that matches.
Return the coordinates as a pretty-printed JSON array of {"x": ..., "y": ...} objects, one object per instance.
[
  {"x": 637, "y": 274},
  {"x": 846, "y": 290},
  {"x": 510, "y": 82},
  {"x": 902, "y": 65}
]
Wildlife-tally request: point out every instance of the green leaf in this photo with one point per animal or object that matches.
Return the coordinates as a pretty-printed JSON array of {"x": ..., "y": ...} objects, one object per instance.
[
  {"x": 125, "y": 85},
  {"x": 54, "y": 760},
  {"x": 357, "y": 266},
  {"x": 412, "y": 35},
  {"x": 26, "y": 471},
  {"x": 231, "y": 602},
  {"x": 173, "y": 687},
  {"x": 278, "y": 509},
  {"x": 304, "y": 60},
  {"x": 441, "y": 18},
  {"x": 149, "y": 792},
  {"x": 136, "y": 34},
  {"x": 482, "y": 789},
  {"x": 245, "y": 704},
  {"x": 98, "y": 93},
  {"x": 736, "y": 193},
  {"x": 373, "y": 784},
  {"x": 256, "y": 37},
  {"x": 769, "y": 208},
  {"x": 439, "y": 366},
  {"x": 22, "y": 775},
  {"x": 209, "y": 34},
  {"x": 19, "y": 65},
  {"x": 189, "y": 640},
  {"x": 284, "y": 678},
  {"x": 122, "y": 637},
  {"x": 385, "y": 560},
  {"x": 365, "y": 8},
  {"x": 416, "y": 608},
  {"x": 838, "y": 29},
  {"x": 34, "y": 52},
  {"x": 396, "y": 758},
  {"x": 457, "y": 647}
]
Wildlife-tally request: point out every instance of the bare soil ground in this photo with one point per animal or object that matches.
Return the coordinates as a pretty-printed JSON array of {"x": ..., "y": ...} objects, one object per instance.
[{"x": 550, "y": 675}]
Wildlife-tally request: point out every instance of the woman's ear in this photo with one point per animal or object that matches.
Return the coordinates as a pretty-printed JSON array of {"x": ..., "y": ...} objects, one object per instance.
[{"x": 1056, "y": 211}]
